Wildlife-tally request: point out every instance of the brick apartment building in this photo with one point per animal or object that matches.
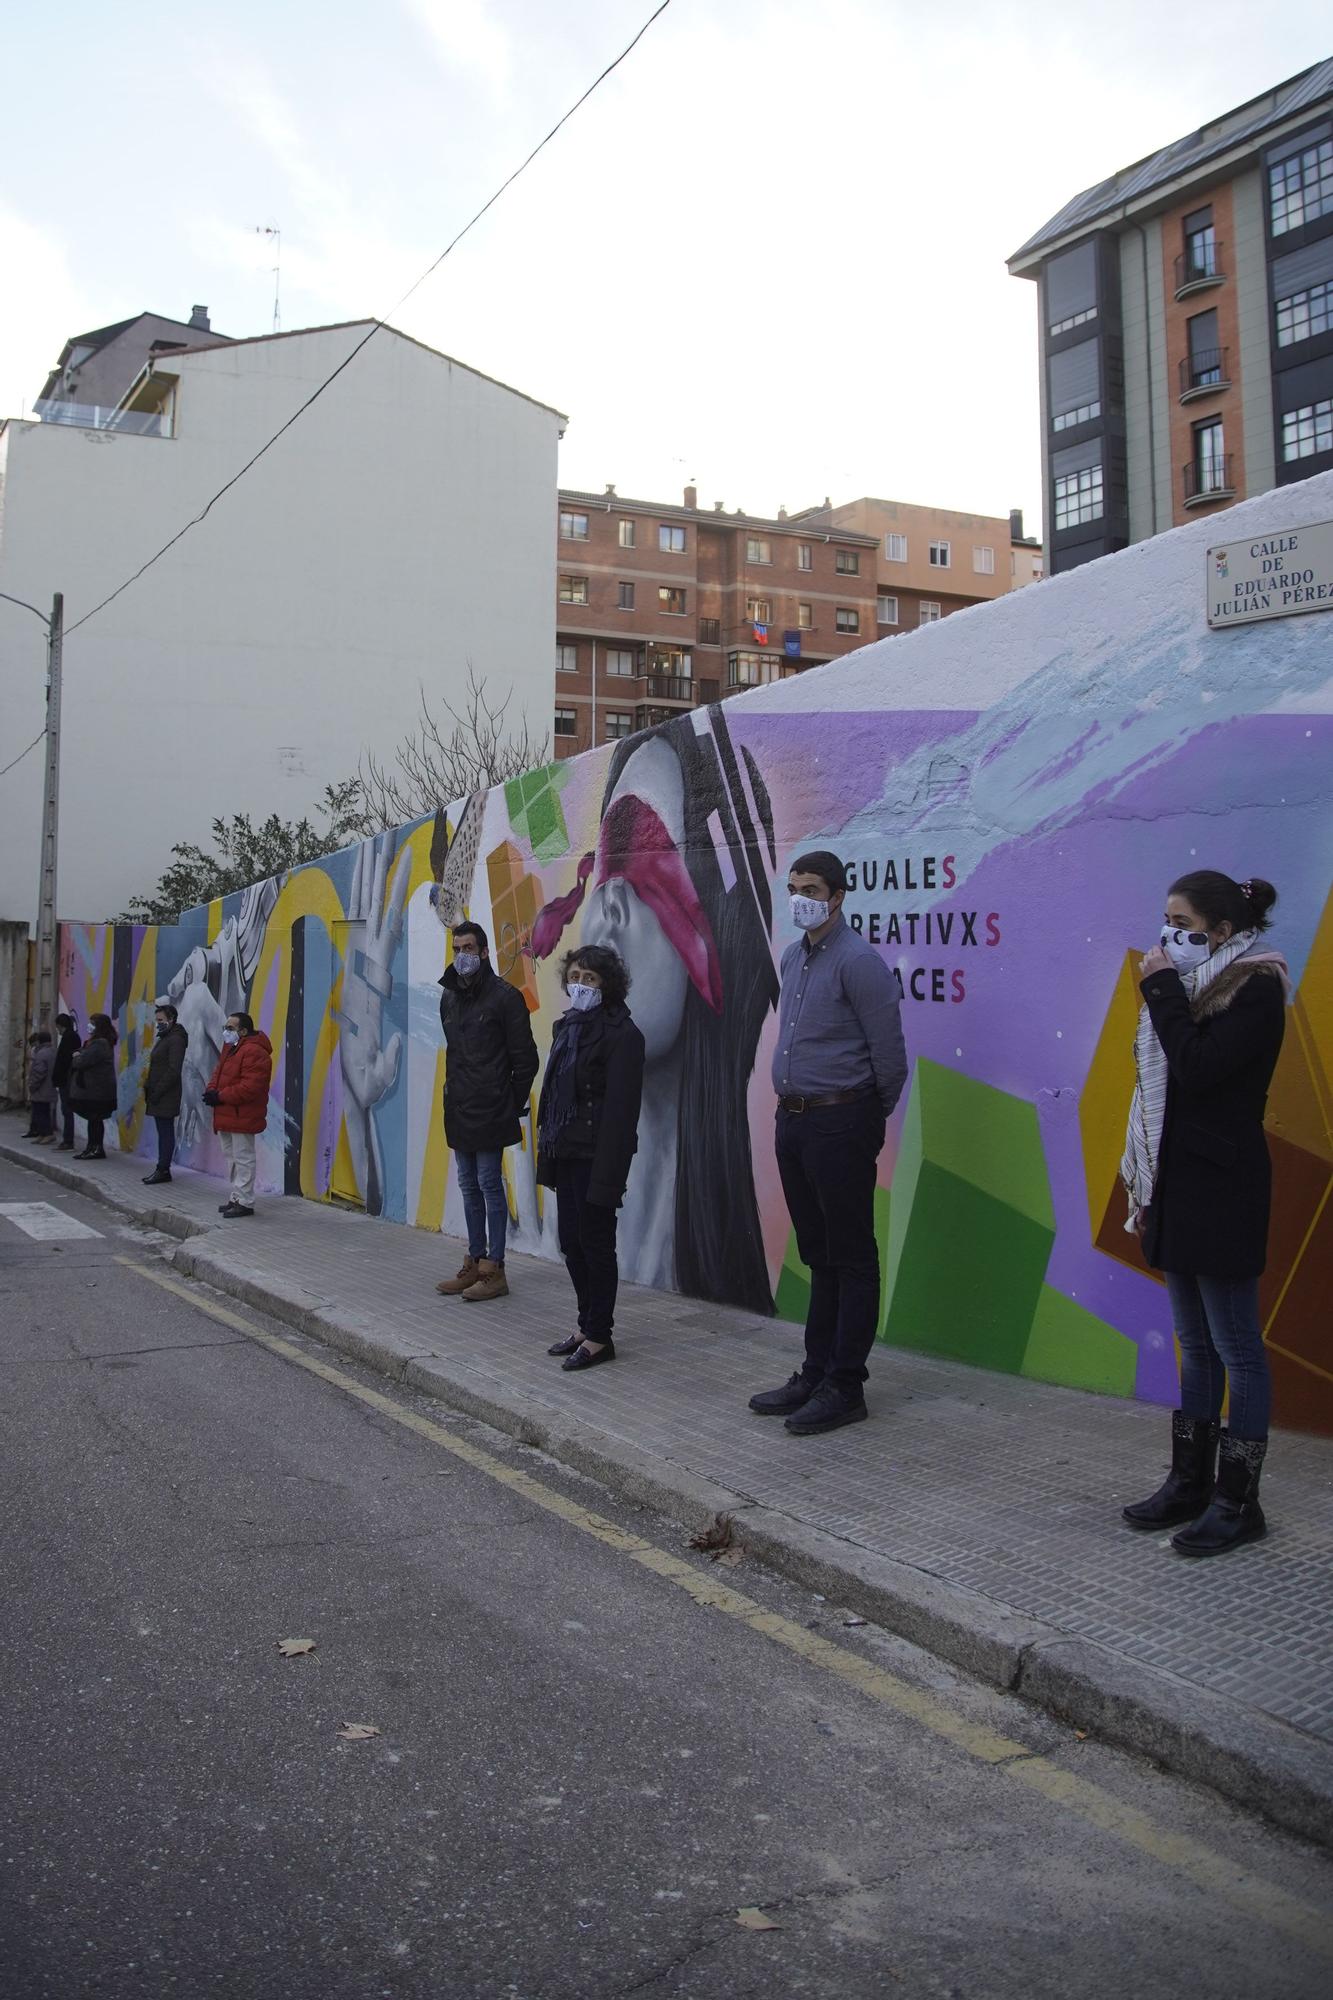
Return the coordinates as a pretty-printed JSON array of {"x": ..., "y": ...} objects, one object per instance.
[
  {"x": 663, "y": 607},
  {"x": 1187, "y": 325}
]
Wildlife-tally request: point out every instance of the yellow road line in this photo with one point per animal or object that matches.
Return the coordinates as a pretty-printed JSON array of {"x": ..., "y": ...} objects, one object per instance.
[{"x": 1262, "y": 1902}]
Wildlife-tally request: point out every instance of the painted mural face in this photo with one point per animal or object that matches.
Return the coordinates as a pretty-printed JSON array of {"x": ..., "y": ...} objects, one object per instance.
[{"x": 620, "y": 910}]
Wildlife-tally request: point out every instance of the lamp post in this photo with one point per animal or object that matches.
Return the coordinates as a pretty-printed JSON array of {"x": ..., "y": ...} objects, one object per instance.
[{"x": 46, "y": 997}]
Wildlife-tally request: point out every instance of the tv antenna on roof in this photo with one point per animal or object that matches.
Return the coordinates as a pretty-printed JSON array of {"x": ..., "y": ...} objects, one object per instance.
[{"x": 271, "y": 230}]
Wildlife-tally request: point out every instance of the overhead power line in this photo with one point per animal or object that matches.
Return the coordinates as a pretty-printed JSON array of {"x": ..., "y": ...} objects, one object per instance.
[
  {"x": 375, "y": 327},
  {"x": 22, "y": 754}
]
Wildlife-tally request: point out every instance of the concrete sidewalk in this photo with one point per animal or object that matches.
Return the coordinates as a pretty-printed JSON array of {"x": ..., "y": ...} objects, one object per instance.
[{"x": 976, "y": 1514}]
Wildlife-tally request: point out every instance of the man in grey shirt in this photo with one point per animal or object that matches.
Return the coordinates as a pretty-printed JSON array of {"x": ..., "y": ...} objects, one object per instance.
[{"x": 838, "y": 1069}]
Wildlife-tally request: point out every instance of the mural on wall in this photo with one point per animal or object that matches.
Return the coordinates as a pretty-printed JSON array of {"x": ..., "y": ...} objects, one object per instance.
[{"x": 1010, "y": 864}]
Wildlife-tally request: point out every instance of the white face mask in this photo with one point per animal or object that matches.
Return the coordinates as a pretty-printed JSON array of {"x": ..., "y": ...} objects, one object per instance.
[
  {"x": 808, "y": 913},
  {"x": 584, "y": 998},
  {"x": 230, "y": 1037},
  {"x": 467, "y": 964},
  {"x": 1185, "y": 949}
]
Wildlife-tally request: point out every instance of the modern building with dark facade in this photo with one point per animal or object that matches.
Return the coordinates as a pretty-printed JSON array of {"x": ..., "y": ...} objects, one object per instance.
[{"x": 1186, "y": 315}]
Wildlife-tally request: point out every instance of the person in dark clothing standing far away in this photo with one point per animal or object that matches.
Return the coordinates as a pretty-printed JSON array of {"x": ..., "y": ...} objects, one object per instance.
[
  {"x": 838, "y": 1069},
  {"x": 492, "y": 1062},
  {"x": 587, "y": 1136},
  {"x": 1198, "y": 1176},
  {"x": 162, "y": 1088},
  {"x": 92, "y": 1084},
  {"x": 60, "y": 1075},
  {"x": 238, "y": 1096},
  {"x": 41, "y": 1090}
]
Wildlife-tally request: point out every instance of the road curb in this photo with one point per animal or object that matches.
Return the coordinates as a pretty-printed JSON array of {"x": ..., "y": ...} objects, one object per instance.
[{"x": 1250, "y": 1758}]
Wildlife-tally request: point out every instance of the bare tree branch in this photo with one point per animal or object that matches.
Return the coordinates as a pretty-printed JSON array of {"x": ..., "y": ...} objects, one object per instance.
[{"x": 445, "y": 757}]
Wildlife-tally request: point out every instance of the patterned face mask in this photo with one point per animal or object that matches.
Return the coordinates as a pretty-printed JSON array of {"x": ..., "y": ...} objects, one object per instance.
[
  {"x": 808, "y": 912},
  {"x": 1185, "y": 949},
  {"x": 584, "y": 998}
]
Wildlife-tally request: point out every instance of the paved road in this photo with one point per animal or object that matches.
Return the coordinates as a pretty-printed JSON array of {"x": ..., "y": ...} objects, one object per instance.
[{"x": 582, "y": 1772}]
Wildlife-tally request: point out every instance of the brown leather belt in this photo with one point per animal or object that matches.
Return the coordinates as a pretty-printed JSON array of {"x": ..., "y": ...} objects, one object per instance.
[{"x": 797, "y": 1104}]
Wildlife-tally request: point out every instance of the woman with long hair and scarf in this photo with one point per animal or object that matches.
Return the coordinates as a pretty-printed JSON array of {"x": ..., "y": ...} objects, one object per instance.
[
  {"x": 679, "y": 886},
  {"x": 1197, "y": 1173}
]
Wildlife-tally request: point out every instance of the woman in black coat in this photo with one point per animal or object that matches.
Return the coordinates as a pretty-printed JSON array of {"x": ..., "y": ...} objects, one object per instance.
[
  {"x": 587, "y": 1135},
  {"x": 92, "y": 1084},
  {"x": 60, "y": 1077},
  {"x": 1198, "y": 1174}
]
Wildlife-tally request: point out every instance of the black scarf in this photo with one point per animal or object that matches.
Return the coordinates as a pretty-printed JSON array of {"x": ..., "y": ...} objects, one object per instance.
[{"x": 560, "y": 1096}]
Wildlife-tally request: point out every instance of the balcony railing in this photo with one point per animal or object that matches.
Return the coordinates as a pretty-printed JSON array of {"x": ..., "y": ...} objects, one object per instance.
[
  {"x": 1208, "y": 369},
  {"x": 1208, "y": 479},
  {"x": 100, "y": 417},
  {"x": 668, "y": 687},
  {"x": 1197, "y": 269}
]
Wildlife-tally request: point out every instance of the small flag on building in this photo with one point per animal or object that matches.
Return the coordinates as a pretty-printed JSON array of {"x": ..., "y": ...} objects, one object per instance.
[
  {"x": 760, "y": 635},
  {"x": 791, "y": 645}
]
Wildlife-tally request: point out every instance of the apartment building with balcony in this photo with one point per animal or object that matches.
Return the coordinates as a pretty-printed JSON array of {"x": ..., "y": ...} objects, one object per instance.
[
  {"x": 930, "y": 561},
  {"x": 1186, "y": 316},
  {"x": 663, "y": 607}
]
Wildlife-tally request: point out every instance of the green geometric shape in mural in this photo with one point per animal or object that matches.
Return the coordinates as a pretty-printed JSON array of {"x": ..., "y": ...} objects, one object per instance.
[
  {"x": 971, "y": 1223},
  {"x": 535, "y": 812},
  {"x": 1071, "y": 1345}
]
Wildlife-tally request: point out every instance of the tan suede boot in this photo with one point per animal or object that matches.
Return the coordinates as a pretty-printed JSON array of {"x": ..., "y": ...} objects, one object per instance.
[
  {"x": 468, "y": 1275},
  {"x": 491, "y": 1284}
]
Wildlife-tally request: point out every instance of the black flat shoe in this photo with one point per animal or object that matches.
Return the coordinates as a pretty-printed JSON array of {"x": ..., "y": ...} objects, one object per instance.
[
  {"x": 156, "y": 1179},
  {"x": 99, "y": 1154},
  {"x": 570, "y": 1346},
  {"x": 582, "y": 1357}
]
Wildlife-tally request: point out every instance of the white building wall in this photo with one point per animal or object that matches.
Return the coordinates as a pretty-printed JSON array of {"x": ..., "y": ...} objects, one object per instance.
[{"x": 403, "y": 529}]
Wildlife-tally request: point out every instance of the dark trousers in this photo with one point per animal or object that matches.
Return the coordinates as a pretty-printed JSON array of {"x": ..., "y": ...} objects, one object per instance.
[
  {"x": 1221, "y": 1345},
  {"x": 96, "y": 1133},
  {"x": 66, "y": 1118},
  {"x": 166, "y": 1143},
  {"x": 828, "y": 1160},
  {"x": 39, "y": 1120},
  {"x": 588, "y": 1245}
]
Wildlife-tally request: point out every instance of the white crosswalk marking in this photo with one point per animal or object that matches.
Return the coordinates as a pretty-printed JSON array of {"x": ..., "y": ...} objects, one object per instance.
[{"x": 44, "y": 1220}]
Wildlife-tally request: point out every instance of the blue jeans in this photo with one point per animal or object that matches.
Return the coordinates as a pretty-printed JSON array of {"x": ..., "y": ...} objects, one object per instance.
[
  {"x": 485, "y": 1205},
  {"x": 1221, "y": 1343}
]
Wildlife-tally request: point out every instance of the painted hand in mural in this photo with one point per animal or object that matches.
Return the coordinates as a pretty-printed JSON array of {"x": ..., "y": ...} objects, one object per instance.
[
  {"x": 369, "y": 1065},
  {"x": 203, "y": 1019}
]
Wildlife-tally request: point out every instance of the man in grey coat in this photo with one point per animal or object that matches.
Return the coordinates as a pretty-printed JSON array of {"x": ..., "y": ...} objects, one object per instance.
[
  {"x": 839, "y": 1066},
  {"x": 162, "y": 1087}
]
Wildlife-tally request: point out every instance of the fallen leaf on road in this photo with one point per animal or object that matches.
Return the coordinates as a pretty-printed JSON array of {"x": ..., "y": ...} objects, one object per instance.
[
  {"x": 357, "y": 1732},
  {"x": 720, "y": 1536},
  {"x": 1080, "y": 1735},
  {"x": 731, "y": 1556},
  {"x": 755, "y": 1920},
  {"x": 292, "y": 1649}
]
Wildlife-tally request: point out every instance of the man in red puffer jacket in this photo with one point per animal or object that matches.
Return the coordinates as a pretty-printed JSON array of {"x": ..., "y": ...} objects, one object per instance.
[{"x": 238, "y": 1093}]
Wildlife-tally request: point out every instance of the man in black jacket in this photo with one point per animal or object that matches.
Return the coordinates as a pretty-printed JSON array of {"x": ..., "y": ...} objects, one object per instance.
[
  {"x": 60, "y": 1075},
  {"x": 162, "y": 1087},
  {"x": 492, "y": 1062}
]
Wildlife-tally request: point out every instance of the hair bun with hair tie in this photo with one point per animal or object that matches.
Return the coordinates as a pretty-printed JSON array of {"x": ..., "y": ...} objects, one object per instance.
[{"x": 1247, "y": 888}]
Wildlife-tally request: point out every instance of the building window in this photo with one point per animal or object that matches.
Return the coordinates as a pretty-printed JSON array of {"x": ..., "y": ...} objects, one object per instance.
[
  {"x": 983, "y": 561},
  {"x": 1078, "y": 497},
  {"x": 621, "y": 662},
  {"x": 755, "y": 669},
  {"x": 574, "y": 527},
  {"x": 671, "y": 541},
  {"x": 1205, "y": 356},
  {"x": 848, "y": 562},
  {"x": 805, "y": 618},
  {"x": 1304, "y": 314},
  {"x": 1308, "y": 431},
  {"x": 566, "y": 659},
  {"x": 1210, "y": 464},
  {"x": 847, "y": 620},
  {"x": 758, "y": 610},
  {"x": 1069, "y": 282},
  {"x": 624, "y": 597},
  {"x": 1200, "y": 246},
  {"x": 671, "y": 601},
  {"x": 573, "y": 589},
  {"x": 805, "y": 556},
  {"x": 626, "y": 533},
  {"x": 927, "y": 613},
  {"x": 619, "y": 722},
  {"x": 1084, "y": 414},
  {"x": 940, "y": 557},
  {"x": 672, "y": 660},
  {"x": 895, "y": 548},
  {"x": 886, "y": 610},
  {"x": 710, "y": 631},
  {"x": 758, "y": 550},
  {"x": 1300, "y": 188},
  {"x": 566, "y": 722}
]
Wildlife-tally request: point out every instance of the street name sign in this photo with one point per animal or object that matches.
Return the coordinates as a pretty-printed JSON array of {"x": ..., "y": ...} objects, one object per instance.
[{"x": 1271, "y": 576}]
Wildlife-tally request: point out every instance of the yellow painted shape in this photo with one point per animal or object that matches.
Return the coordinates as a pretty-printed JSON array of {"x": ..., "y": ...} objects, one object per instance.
[
  {"x": 435, "y": 1164},
  {"x": 142, "y": 993},
  {"x": 308, "y": 893},
  {"x": 1103, "y": 1105},
  {"x": 215, "y": 920},
  {"x": 321, "y": 1062},
  {"x": 1237, "y": 1888}
]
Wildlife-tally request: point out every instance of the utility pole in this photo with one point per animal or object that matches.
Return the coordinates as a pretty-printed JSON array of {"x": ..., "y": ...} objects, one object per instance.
[{"x": 47, "y": 997}]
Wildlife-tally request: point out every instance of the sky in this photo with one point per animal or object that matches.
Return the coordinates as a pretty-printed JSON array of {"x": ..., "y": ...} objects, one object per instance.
[{"x": 766, "y": 257}]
